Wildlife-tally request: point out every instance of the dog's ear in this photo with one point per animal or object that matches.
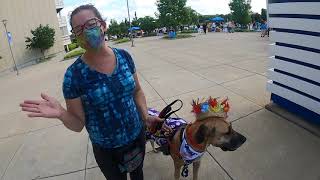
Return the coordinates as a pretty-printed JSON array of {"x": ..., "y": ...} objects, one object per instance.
[
  {"x": 213, "y": 132},
  {"x": 201, "y": 133}
]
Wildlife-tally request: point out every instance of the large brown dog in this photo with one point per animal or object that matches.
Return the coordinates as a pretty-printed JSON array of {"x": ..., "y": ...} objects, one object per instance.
[{"x": 200, "y": 134}]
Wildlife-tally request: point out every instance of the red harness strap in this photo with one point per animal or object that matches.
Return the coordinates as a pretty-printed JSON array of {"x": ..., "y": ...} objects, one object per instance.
[{"x": 191, "y": 141}]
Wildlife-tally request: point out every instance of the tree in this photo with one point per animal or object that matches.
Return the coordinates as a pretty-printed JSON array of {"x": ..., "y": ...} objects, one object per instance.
[
  {"x": 191, "y": 16},
  {"x": 114, "y": 28},
  {"x": 171, "y": 12},
  {"x": 240, "y": 11},
  {"x": 43, "y": 39},
  {"x": 147, "y": 23},
  {"x": 135, "y": 22},
  {"x": 124, "y": 27},
  {"x": 263, "y": 14},
  {"x": 256, "y": 17}
]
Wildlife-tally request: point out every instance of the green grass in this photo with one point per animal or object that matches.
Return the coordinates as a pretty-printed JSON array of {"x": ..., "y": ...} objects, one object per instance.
[
  {"x": 74, "y": 53},
  {"x": 72, "y": 46},
  {"x": 123, "y": 40},
  {"x": 179, "y": 36},
  {"x": 188, "y": 31}
]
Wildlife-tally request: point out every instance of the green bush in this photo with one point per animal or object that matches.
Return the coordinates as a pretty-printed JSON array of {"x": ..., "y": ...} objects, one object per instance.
[
  {"x": 74, "y": 53},
  {"x": 72, "y": 46},
  {"x": 189, "y": 31},
  {"x": 43, "y": 37},
  {"x": 123, "y": 40},
  {"x": 179, "y": 36}
]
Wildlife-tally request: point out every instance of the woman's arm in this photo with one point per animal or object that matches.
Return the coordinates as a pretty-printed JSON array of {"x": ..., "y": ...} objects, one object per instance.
[
  {"x": 140, "y": 99},
  {"x": 73, "y": 117}
]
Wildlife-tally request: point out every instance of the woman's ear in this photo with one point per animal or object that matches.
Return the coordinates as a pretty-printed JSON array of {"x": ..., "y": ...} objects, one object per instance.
[
  {"x": 104, "y": 26},
  {"x": 201, "y": 134}
]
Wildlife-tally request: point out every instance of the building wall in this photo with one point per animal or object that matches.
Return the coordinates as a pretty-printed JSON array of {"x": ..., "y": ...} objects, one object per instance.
[
  {"x": 295, "y": 56},
  {"x": 64, "y": 30},
  {"x": 23, "y": 16}
]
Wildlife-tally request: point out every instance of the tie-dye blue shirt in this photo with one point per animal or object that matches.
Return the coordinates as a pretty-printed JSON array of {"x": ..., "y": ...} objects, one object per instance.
[{"x": 112, "y": 117}]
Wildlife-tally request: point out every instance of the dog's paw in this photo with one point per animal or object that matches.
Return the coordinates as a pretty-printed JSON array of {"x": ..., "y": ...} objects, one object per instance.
[{"x": 155, "y": 151}]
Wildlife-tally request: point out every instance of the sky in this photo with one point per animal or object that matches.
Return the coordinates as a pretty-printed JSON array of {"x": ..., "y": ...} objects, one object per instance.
[{"x": 117, "y": 9}]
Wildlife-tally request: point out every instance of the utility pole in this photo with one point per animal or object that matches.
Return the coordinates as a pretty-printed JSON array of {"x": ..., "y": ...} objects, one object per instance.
[
  {"x": 4, "y": 21},
  {"x": 131, "y": 37}
]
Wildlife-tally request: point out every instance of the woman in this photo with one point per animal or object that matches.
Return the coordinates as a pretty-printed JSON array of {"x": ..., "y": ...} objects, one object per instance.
[
  {"x": 103, "y": 93},
  {"x": 264, "y": 28}
]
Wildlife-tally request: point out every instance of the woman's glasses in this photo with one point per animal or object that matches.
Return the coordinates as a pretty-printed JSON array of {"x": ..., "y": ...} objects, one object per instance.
[{"x": 91, "y": 23}]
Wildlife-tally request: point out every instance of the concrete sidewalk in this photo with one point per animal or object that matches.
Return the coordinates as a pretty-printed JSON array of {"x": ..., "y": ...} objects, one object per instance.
[{"x": 215, "y": 64}]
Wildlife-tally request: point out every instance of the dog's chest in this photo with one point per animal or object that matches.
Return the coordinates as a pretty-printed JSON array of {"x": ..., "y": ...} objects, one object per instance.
[{"x": 188, "y": 154}]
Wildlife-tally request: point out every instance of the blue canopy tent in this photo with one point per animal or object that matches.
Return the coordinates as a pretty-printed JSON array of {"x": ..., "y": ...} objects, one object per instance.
[
  {"x": 217, "y": 19},
  {"x": 134, "y": 28}
]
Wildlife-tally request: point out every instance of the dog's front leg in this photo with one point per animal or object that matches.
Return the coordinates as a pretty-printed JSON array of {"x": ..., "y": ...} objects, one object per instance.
[
  {"x": 177, "y": 168},
  {"x": 196, "y": 166},
  {"x": 152, "y": 145}
]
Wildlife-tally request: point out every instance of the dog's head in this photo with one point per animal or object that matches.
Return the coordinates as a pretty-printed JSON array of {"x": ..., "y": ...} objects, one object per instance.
[{"x": 218, "y": 132}]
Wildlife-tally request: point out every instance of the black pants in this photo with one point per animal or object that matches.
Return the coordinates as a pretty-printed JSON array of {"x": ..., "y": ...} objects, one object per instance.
[{"x": 108, "y": 160}]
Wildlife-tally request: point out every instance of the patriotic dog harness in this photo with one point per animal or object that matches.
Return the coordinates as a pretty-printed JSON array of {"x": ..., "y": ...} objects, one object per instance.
[{"x": 186, "y": 152}]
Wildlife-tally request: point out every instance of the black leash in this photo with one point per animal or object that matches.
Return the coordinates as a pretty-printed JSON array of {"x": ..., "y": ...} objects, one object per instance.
[{"x": 167, "y": 112}]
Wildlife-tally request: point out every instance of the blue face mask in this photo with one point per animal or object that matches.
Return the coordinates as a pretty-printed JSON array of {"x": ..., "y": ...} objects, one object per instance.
[{"x": 94, "y": 37}]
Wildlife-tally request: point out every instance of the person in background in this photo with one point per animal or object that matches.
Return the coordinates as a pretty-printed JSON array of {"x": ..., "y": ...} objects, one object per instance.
[
  {"x": 229, "y": 26},
  {"x": 213, "y": 27},
  {"x": 204, "y": 26},
  {"x": 232, "y": 26},
  {"x": 268, "y": 30},
  {"x": 264, "y": 28},
  {"x": 199, "y": 29},
  {"x": 102, "y": 93}
]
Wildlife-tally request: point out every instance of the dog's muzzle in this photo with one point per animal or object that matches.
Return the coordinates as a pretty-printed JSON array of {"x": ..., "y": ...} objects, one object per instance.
[{"x": 236, "y": 141}]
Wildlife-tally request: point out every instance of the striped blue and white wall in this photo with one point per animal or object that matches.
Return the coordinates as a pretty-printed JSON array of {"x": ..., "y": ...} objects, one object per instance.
[{"x": 294, "y": 74}]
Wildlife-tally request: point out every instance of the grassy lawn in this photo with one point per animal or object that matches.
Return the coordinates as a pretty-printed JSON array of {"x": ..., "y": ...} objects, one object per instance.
[
  {"x": 123, "y": 40},
  {"x": 74, "y": 53}
]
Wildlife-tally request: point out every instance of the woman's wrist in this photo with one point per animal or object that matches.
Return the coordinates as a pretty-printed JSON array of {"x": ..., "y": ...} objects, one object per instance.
[{"x": 62, "y": 114}]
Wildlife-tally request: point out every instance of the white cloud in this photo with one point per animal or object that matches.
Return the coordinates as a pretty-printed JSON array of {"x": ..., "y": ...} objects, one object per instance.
[
  {"x": 257, "y": 5},
  {"x": 209, "y": 6}
]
